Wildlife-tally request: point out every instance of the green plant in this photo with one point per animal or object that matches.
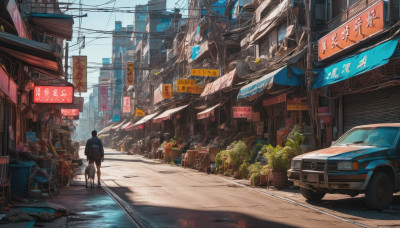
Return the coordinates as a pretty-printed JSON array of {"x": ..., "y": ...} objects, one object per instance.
[
  {"x": 172, "y": 163},
  {"x": 219, "y": 158},
  {"x": 238, "y": 154},
  {"x": 255, "y": 172},
  {"x": 277, "y": 158},
  {"x": 243, "y": 170},
  {"x": 293, "y": 143}
]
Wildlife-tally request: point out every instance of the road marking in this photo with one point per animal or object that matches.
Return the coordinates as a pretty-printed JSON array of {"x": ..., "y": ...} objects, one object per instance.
[{"x": 295, "y": 203}]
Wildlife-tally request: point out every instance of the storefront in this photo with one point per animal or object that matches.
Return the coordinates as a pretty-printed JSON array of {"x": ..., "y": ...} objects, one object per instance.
[{"x": 283, "y": 105}]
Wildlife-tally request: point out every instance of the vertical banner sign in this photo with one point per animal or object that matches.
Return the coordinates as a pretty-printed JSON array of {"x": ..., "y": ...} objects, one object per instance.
[
  {"x": 103, "y": 98},
  {"x": 129, "y": 74},
  {"x": 79, "y": 64},
  {"x": 127, "y": 105}
]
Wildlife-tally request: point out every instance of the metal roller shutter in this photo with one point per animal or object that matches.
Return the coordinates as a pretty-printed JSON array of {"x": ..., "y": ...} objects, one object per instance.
[{"x": 380, "y": 106}]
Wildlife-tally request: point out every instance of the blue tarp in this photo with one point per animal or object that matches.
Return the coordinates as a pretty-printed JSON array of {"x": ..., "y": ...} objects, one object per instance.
[
  {"x": 357, "y": 64},
  {"x": 218, "y": 7},
  {"x": 287, "y": 75},
  {"x": 195, "y": 51}
]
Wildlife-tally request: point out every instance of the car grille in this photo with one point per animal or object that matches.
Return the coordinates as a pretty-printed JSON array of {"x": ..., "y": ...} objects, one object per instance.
[{"x": 319, "y": 165}]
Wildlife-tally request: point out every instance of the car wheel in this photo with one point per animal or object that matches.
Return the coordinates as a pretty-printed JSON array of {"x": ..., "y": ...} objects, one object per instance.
[
  {"x": 312, "y": 195},
  {"x": 379, "y": 192}
]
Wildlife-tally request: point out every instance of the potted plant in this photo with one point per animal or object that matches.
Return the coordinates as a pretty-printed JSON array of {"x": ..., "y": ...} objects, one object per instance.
[{"x": 279, "y": 158}]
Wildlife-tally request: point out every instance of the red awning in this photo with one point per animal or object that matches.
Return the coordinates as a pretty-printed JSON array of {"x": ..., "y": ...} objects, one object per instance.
[{"x": 221, "y": 83}]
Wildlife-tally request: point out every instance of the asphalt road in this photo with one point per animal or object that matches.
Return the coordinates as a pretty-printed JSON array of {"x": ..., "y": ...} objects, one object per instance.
[{"x": 163, "y": 195}]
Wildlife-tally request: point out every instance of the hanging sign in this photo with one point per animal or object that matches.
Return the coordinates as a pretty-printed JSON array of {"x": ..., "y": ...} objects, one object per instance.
[
  {"x": 116, "y": 115},
  {"x": 79, "y": 73},
  {"x": 294, "y": 105},
  {"x": 243, "y": 112},
  {"x": 140, "y": 112},
  {"x": 184, "y": 85},
  {"x": 361, "y": 27},
  {"x": 70, "y": 112},
  {"x": 198, "y": 89},
  {"x": 53, "y": 94},
  {"x": 164, "y": 91},
  {"x": 70, "y": 117},
  {"x": 204, "y": 72},
  {"x": 129, "y": 73},
  {"x": 103, "y": 98},
  {"x": 274, "y": 100},
  {"x": 126, "y": 105}
]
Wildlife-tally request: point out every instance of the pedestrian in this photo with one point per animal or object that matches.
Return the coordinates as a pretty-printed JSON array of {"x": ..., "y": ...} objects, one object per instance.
[{"x": 95, "y": 153}]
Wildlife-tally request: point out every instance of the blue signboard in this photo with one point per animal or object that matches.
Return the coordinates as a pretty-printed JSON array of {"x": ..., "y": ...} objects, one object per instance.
[
  {"x": 195, "y": 51},
  {"x": 116, "y": 115},
  {"x": 30, "y": 136},
  {"x": 356, "y": 65}
]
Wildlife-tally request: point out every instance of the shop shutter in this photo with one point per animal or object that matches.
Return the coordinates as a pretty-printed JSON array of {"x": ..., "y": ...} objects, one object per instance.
[{"x": 380, "y": 106}]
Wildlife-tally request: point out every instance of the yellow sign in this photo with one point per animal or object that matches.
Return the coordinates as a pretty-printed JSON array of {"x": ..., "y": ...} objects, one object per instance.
[
  {"x": 185, "y": 85},
  {"x": 79, "y": 73},
  {"x": 204, "y": 72},
  {"x": 129, "y": 74},
  {"x": 198, "y": 89},
  {"x": 166, "y": 91},
  {"x": 139, "y": 112}
]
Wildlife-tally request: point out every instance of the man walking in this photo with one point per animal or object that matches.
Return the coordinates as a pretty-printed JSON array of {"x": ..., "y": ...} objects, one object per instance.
[{"x": 95, "y": 153}]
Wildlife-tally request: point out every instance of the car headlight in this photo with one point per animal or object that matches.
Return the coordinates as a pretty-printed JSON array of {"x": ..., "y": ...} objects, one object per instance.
[
  {"x": 347, "y": 165},
  {"x": 295, "y": 164}
]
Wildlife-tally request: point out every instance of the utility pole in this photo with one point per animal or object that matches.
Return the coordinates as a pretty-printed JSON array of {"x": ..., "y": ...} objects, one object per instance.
[
  {"x": 311, "y": 95},
  {"x": 66, "y": 62}
]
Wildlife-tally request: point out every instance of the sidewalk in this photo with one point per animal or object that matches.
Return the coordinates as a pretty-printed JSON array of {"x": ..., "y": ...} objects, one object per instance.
[{"x": 85, "y": 207}]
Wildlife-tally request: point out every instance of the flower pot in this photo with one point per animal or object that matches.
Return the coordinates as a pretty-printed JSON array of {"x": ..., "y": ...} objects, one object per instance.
[{"x": 279, "y": 179}]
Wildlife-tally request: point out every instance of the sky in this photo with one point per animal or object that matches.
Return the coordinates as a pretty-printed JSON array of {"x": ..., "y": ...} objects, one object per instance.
[{"x": 96, "y": 49}]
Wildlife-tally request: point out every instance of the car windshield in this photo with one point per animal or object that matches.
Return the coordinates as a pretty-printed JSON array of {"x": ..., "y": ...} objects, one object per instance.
[{"x": 380, "y": 137}]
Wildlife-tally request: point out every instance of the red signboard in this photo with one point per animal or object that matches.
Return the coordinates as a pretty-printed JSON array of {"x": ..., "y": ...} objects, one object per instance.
[
  {"x": 243, "y": 112},
  {"x": 275, "y": 100},
  {"x": 103, "y": 98},
  {"x": 359, "y": 28},
  {"x": 53, "y": 94},
  {"x": 70, "y": 112},
  {"x": 79, "y": 73},
  {"x": 126, "y": 105}
]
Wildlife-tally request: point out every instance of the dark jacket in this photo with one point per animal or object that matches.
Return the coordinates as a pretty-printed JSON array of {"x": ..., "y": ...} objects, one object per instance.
[{"x": 89, "y": 145}]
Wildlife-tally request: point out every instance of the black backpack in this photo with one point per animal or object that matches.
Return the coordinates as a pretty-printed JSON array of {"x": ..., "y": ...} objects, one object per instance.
[{"x": 95, "y": 151}]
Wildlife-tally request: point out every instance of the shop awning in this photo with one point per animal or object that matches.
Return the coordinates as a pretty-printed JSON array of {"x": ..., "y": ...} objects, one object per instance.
[
  {"x": 167, "y": 114},
  {"x": 207, "y": 113},
  {"x": 58, "y": 25},
  {"x": 144, "y": 120},
  {"x": 221, "y": 83},
  {"x": 356, "y": 65},
  {"x": 106, "y": 129},
  {"x": 287, "y": 75},
  {"x": 119, "y": 125},
  {"x": 127, "y": 125},
  {"x": 38, "y": 55}
]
